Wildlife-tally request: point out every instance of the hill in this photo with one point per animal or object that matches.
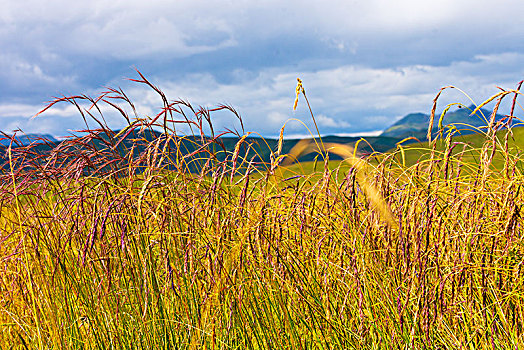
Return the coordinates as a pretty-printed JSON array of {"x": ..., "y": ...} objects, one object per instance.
[
  {"x": 109, "y": 148},
  {"x": 104, "y": 145},
  {"x": 467, "y": 148},
  {"x": 26, "y": 139},
  {"x": 416, "y": 124}
]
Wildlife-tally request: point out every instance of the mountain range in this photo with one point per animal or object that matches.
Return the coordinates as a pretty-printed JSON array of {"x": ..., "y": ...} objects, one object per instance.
[{"x": 412, "y": 125}]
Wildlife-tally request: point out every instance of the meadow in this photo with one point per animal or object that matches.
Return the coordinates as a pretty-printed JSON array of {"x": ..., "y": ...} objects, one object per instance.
[{"x": 107, "y": 243}]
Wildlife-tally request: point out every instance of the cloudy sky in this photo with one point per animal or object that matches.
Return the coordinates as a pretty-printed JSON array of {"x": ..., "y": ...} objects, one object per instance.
[{"x": 364, "y": 63}]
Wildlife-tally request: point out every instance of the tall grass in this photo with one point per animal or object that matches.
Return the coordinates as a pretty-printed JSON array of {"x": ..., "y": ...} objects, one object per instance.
[{"x": 124, "y": 241}]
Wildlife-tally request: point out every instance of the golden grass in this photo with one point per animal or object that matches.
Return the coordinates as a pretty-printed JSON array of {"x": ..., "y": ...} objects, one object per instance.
[{"x": 174, "y": 245}]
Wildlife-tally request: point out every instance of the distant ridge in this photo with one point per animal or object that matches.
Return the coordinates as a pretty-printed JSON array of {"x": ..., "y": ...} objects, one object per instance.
[
  {"x": 105, "y": 145},
  {"x": 26, "y": 139},
  {"x": 411, "y": 125},
  {"x": 416, "y": 124}
]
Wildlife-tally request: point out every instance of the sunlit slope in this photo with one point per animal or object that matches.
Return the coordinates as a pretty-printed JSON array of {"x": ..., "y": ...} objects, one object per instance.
[{"x": 466, "y": 147}]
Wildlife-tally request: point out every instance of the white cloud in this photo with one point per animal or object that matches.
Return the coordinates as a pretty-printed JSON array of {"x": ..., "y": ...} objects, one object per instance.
[
  {"x": 18, "y": 110},
  {"x": 329, "y": 122},
  {"x": 361, "y": 134},
  {"x": 345, "y": 100},
  {"x": 382, "y": 58}
]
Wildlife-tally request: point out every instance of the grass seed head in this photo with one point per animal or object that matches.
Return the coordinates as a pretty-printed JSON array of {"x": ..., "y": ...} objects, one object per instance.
[{"x": 299, "y": 89}]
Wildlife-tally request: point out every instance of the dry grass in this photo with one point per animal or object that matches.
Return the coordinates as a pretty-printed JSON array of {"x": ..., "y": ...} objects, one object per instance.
[{"x": 175, "y": 242}]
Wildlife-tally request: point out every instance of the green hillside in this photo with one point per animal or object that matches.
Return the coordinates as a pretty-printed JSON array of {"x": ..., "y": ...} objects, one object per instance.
[
  {"x": 107, "y": 147},
  {"x": 466, "y": 148}
]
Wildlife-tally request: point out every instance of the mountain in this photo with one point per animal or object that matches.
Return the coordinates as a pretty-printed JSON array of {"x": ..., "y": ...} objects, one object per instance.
[
  {"x": 416, "y": 124},
  {"x": 99, "y": 152},
  {"x": 26, "y": 139}
]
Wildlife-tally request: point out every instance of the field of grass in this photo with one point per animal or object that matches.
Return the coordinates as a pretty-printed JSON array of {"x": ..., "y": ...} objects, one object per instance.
[
  {"x": 469, "y": 147},
  {"x": 112, "y": 250}
]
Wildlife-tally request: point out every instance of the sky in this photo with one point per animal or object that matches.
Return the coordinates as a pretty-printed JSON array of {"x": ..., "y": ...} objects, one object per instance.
[{"x": 363, "y": 64}]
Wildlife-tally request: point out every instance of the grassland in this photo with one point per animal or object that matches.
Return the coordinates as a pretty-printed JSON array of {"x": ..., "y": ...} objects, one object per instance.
[{"x": 112, "y": 250}]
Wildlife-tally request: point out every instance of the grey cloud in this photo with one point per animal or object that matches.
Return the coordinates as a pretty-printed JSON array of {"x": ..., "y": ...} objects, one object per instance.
[
  {"x": 360, "y": 60},
  {"x": 135, "y": 29},
  {"x": 346, "y": 99}
]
